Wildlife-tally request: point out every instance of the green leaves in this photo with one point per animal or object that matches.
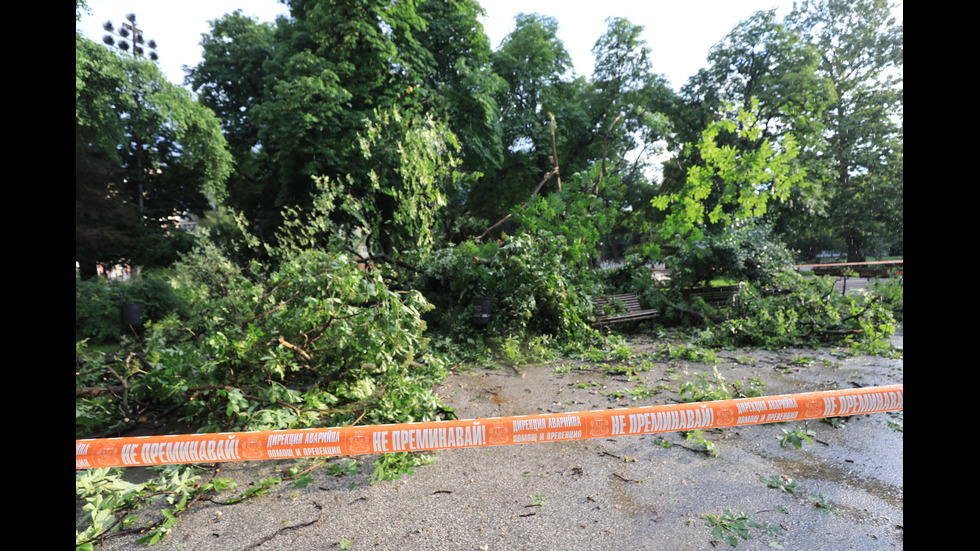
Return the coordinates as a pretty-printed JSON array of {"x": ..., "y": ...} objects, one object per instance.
[
  {"x": 783, "y": 483},
  {"x": 746, "y": 251},
  {"x": 391, "y": 466},
  {"x": 236, "y": 402},
  {"x": 414, "y": 162},
  {"x": 730, "y": 527},
  {"x": 796, "y": 437},
  {"x": 316, "y": 341},
  {"x": 110, "y": 501},
  {"x": 539, "y": 288},
  {"x": 313, "y": 341},
  {"x": 576, "y": 214},
  {"x": 806, "y": 312},
  {"x": 732, "y": 184}
]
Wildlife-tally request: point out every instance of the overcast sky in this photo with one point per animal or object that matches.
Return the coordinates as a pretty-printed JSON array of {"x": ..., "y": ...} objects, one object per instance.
[{"x": 680, "y": 33}]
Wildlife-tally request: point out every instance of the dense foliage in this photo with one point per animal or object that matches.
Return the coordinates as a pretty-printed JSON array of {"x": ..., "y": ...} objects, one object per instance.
[
  {"x": 97, "y": 305},
  {"x": 315, "y": 342},
  {"x": 829, "y": 76},
  {"x": 806, "y": 312},
  {"x": 383, "y": 140},
  {"x": 744, "y": 252},
  {"x": 146, "y": 155},
  {"x": 535, "y": 291}
]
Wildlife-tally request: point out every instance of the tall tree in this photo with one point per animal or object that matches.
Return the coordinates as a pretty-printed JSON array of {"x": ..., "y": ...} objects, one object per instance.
[
  {"x": 764, "y": 65},
  {"x": 140, "y": 142},
  {"x": 336, "y": 77},
  {"x": 460, "y": 84},
  {"x": 532, "y": 61},
  {"x": 627, "y": 125},
  {"x": 732, "y": 185},
  {"x": 334, "y": 65},
  {"x": 828, "y": 75},
  {"x": 555, "y": 118},
  {"x": 461, "y": 88},
  {"x": 861, "y": 47},
  {"x": 230, "y": 81},
  {"x": 769, "y": 71}
]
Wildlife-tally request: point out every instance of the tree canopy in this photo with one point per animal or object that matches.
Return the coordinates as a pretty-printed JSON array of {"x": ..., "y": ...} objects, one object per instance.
[
  {"x": 146, "y": 154},
  {"x": 829, "y": 75},
  {"x": 402, "y": 117},
  {"x": 337, "y": 92}
]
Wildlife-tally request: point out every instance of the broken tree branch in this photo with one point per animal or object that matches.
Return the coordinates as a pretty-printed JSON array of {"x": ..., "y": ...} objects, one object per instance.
[
  {"x": 554, "y": 151},
  {"x": 605, "y": 145},
  {"x": 553, "y": 172},
  {"x": 509, "y": 216}
]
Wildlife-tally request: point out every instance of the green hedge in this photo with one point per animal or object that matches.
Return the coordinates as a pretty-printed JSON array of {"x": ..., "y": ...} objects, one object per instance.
[{"x": 97, "y": 301}]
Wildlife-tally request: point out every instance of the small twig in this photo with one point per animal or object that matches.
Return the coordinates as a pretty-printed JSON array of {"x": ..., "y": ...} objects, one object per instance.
[
  {"x": 282, "y": 531},
  {"x": 624, "y": 479},
  {"x": 306, "y": 356},
  {"x": 316, "y": 465}
]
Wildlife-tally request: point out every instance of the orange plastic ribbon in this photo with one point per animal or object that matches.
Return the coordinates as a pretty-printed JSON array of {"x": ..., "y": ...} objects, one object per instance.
[{"x": 476, "y": 433}]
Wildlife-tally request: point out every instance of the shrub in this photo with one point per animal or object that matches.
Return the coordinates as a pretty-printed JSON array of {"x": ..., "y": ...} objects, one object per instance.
[
  {"x": 892, "y": 292},
  {"x": 536, "y": 291},
  {"x": 96, "y": 311},
  {"x": 97, "y": 314},
  {"x": 315, "y": 341},
  {"x": 745, "y": 252},
  {"x": 801, "y": 312}
]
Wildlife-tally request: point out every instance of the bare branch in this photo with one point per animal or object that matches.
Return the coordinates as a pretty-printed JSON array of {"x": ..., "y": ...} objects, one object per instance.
[
  {"x": 508, "y": 217},
  {"x": 605, "y": 145}
]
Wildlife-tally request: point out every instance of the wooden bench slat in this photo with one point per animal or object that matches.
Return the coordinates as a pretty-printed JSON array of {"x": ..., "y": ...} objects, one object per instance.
[
  {"x": 630, "y": 303},
  {"x": 714, "y": 296}
]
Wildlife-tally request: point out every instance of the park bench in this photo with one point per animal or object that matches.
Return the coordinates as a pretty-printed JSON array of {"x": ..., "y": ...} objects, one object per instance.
[
  {"x": 713, "y": 296},
  {"x": 833, "y": 271},
  {"x": 620, "y": 309}
]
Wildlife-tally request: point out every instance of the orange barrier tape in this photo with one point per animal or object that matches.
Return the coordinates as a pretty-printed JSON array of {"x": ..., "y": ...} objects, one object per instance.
[{"x": 476, "y": 433}]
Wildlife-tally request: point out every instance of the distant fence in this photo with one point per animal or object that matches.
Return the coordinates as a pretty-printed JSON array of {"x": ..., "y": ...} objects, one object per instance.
[{"x": 880, "y": 268}]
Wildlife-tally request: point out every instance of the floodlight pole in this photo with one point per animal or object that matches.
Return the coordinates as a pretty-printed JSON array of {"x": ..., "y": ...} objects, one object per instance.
[{"x": 129, "y": 28}]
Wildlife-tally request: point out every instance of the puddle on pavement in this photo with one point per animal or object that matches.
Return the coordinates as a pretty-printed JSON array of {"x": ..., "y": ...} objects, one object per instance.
[{"x": 805, "y": 470}]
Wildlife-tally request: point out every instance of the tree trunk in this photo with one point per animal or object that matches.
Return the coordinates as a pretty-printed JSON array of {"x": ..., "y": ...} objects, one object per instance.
[{"x": 855, "y": 252}]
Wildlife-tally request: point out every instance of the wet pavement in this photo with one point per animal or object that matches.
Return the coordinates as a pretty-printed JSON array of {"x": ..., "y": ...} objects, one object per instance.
[{"x": 843, "y": 491}]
